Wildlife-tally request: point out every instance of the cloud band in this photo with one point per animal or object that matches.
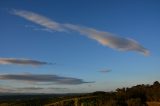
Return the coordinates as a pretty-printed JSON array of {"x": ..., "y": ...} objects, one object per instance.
[
  {"x": 104, "y": 38},
  {"x": 22, "y": 61},
  {"x": 53, "y": 79}
]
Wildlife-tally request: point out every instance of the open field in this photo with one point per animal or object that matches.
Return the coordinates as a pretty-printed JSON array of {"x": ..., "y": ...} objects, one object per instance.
[{"x": 153, "y": 103}]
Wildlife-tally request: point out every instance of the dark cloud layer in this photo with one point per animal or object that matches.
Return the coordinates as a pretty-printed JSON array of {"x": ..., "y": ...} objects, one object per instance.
[
  {"x": 54, "y": 79},
  {"x": 22, "y": 61}
]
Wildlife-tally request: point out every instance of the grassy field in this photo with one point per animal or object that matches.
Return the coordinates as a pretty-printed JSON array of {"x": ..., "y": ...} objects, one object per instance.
[{"x": 153, "y": 103}]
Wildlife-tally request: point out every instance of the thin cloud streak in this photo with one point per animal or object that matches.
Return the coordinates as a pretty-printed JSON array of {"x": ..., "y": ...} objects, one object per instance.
[
  {"x": 105, "y": 71},
  {"x": 40, "y": 89},
  {"x": 6, "y": 90},
  {"x": 31, "y": 89},
  {"x": 39, "y": 19},
  {"x": 104, "y": 38},
  {"x": 40, "y": 78},
  {"x": 36, "y": 28},
  {"x": 17, "y": 61}
]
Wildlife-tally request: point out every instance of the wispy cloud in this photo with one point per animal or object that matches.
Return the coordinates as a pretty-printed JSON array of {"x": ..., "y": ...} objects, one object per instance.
[
  {"x": 6, "y": 90},
  {"x": 31, "y": 89},
  {"x": 40, "y": 78},
  {"x": 40, "y": 89},
  {"x": 57, "y": 88},
  {"x": 36, "y": 28},
  {"x": 22, "y": 61},
  {"x": 104, "y": 38},
  {"x": 39, "y": 19},
  {"x": 109, "y": 39},
  {"x": 105, "y": 70}
]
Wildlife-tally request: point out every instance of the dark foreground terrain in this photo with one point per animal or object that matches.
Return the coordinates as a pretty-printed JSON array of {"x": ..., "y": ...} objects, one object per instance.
[{"x": 140, "y": 95}]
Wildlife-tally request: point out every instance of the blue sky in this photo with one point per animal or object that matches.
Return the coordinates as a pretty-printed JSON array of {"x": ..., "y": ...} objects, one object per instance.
[{"x": 83, "y": 40}]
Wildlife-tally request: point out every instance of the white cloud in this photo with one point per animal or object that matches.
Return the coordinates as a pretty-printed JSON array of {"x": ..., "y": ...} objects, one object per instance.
[
  {"x": 38, "y": 19},
  {"x": 109, "y": 39},
  {"x": 104, "y": 38}
]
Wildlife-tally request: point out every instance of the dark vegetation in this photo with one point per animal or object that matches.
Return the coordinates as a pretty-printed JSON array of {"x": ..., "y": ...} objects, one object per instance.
[{"x": 135, "y": 96}]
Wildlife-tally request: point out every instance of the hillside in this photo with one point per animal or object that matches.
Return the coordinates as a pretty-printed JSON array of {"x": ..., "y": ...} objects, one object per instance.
[{"x": 139, "y": 95}]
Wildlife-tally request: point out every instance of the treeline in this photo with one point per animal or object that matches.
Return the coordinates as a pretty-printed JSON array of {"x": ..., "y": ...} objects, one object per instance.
[
  {"x": 137, "y": 95},
  {"x": 28, "y": 100}
]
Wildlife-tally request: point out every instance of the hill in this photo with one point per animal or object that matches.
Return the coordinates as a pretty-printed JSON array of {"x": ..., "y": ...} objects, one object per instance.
[{"x": 139, "y": 95}]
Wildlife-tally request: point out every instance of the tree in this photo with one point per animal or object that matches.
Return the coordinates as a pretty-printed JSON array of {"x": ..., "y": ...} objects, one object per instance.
[
  {"x": 135, "y": 102},
  {"x": 156, "y": 83}
]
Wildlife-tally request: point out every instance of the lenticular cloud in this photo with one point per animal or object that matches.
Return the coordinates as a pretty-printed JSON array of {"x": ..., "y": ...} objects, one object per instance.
[{"x": 103, "y": 37}]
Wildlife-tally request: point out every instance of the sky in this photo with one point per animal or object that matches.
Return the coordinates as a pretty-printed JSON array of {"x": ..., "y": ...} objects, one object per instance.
[{"x": 78, "y": 46}]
